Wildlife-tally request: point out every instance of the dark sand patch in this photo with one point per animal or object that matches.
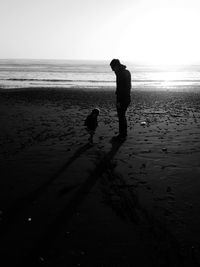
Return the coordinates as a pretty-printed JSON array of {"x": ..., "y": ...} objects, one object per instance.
[{"x": 148, "y": 191}]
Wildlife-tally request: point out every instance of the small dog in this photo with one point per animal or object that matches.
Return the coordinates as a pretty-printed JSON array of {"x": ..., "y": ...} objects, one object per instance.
[{"x": 91, "y": 123}]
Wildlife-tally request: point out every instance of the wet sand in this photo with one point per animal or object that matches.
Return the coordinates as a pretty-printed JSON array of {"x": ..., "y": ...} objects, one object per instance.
[{"x": 67, "y": 203}]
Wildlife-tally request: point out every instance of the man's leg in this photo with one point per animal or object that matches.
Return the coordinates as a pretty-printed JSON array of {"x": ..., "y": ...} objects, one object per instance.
[{"x": 121, "y": 111}]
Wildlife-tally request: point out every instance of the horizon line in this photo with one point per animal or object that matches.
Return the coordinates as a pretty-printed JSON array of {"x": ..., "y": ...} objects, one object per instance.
[{"x": 131, "y": 61}]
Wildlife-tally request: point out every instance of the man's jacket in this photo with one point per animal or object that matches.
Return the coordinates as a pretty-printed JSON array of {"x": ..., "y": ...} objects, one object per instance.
[{"x": 123, "y": 89}]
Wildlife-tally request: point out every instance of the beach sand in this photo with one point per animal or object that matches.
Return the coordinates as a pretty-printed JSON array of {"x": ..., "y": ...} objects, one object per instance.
[{"x": 64, "y": 202}]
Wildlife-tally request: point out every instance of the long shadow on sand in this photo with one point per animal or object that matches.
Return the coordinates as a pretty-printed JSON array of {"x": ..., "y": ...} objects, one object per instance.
[
  {"x": 71, "y": 206},
  {"x": 41, "y": 247},
  {"x": 33, "y": 247},
  {"x": 22, "y": 203}
]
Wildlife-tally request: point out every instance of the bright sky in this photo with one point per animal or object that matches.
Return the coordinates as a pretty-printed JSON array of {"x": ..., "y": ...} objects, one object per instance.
[{"x": 152, "y": 31}]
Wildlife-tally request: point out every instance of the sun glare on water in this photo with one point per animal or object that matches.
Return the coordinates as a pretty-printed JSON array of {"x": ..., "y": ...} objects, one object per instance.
[{"x": 170, "y": 77}]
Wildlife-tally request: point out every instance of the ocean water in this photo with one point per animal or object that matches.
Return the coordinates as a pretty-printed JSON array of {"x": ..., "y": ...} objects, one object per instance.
[{"x": 93, "y": 74}]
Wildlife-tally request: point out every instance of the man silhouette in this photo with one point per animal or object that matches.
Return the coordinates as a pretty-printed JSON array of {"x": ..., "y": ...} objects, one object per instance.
[{"x": 123, "y": 98}]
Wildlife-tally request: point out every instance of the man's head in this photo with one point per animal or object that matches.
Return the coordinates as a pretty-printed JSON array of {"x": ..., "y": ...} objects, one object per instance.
[{"x": 115, "y": 64}]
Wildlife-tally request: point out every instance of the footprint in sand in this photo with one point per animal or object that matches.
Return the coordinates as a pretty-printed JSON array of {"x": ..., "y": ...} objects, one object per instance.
[
  {"x": 164, "y": 198},
  {"x": 142, "y": 182},
  {"x": 167, "y": 212},
  {"x": 143, "y": 166},
  {"x": 169, "y": 190},
  {"x": 148, "y": 187}
]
